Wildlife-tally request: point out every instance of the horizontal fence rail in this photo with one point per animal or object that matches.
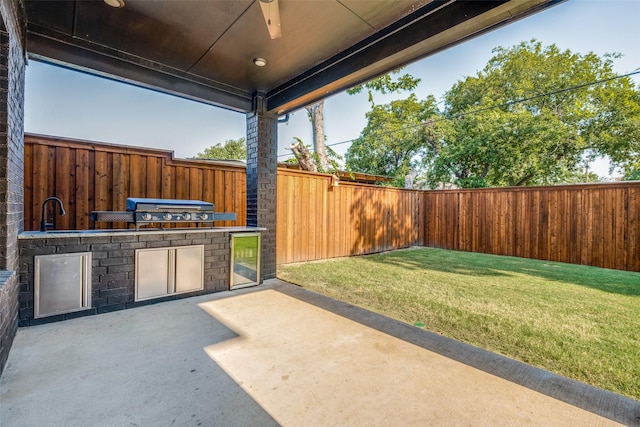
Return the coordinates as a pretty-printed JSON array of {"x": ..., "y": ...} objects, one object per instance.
[
  {"x": 89, "y": 176},
  {"x": 594, "y": 224}
]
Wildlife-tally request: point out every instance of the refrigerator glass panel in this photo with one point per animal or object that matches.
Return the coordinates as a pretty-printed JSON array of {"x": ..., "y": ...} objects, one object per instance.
[{"x": 245, "y": 259}]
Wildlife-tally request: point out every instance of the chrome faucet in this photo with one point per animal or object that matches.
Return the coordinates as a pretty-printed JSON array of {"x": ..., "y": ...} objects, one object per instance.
[{"x": 43, "y": 223}]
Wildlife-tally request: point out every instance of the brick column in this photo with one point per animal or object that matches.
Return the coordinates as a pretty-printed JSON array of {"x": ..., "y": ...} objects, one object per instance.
[
  {"x": 262, "y": 163},
  {"x": 12, "y": 76}
]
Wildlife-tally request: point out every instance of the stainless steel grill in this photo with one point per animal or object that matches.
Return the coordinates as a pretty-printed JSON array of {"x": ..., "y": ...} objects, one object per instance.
[{"x": 141, "y": 211}]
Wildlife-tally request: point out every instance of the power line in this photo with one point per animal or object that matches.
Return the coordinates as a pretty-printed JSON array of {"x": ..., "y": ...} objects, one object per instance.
[
  {"x": 542, "y": 95},
  {"x": 328, "y": 145},
  {"x": 482, "y": 110}
]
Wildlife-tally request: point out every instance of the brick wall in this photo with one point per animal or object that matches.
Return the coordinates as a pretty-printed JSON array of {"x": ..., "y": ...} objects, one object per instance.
[
  {"x": 12, "y": 75},
  {"x": 262, "y": 167},
  {"x": 8, "y": 313},
  {"x": 113, "y": 270}
]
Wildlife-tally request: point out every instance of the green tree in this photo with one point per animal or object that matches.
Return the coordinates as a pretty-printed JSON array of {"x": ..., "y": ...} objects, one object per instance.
[
  {"x": 232, "y": 149},
  {"x": 533, "y": 116},
  {"x": 375, "y": 151},
  {"x": 394, "y": 139},
  {"x": 386, "y": 84},
  {"x": 324, "y": 158},
  {"x": 632, "y": 175}
]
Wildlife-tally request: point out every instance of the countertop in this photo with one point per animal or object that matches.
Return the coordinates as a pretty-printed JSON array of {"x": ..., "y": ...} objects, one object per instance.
[{"x": 52, "y": 234}]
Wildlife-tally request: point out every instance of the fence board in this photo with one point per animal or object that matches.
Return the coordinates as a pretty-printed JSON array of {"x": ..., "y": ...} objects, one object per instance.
[
  {"x": 28, "y": 186},
  {"x": 219, "y": 198},
  {"x": 290, "y": 220},
  {"x": 331, "y": 232},
  {"x": 168, "y": 187},
  {"x": 81, "y": 189},
  {"x": 137, "y": 173},
  {"x": 62, "y": 190},
  {"x": 101, "y": 184},
  {"x": 598, "y": 229},
  {"x": 621, "y": 217},
  {"x": 633, "y": 231},
  {"x": 227, "y": 193}
]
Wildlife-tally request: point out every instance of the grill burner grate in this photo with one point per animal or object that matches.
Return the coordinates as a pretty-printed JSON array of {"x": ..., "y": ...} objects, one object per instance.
[{"x": 112, "y": 216}]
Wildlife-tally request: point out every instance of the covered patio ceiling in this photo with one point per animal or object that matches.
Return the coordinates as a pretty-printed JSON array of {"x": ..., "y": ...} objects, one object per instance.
[{"x": 205, "y": 50}]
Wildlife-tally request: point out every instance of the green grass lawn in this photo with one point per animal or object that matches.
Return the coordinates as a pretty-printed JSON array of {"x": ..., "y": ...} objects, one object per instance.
[{"x": 578, "y": 321}]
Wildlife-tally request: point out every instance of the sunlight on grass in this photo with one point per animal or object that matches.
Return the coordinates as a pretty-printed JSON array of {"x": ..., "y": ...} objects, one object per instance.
[{"x": 578, "y": 321}]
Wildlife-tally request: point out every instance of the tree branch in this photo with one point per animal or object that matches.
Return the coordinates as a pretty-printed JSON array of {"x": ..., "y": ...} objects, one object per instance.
[
  {"x": 303, "y": 156},
  {"x": 524, "y": 179}
]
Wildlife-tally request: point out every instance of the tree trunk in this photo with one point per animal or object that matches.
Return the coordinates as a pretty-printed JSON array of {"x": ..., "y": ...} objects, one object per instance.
[
  {"x": 524, "y": 180},
  {"x": 316, "y": 116},
  {"x": 485, "y": 171},
  {"x": 303, "y": 156}
]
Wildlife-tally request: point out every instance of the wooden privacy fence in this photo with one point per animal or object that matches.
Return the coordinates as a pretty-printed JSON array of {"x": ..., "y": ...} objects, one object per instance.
[
  {"x": 91, "y": 176},
  {"x": 596, "y": 224},
  {"x": 316, "y": 220}
]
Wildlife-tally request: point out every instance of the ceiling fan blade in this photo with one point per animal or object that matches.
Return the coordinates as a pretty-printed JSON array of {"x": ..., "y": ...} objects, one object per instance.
[{"x": 271, "y": 12}]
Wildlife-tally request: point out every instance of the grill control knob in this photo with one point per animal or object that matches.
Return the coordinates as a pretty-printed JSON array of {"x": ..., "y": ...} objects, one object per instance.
[
  {"x": 146, "y": 216},
  {"x": 167, "y": 216},
  {"x": 186, "y": 216},
  {"x": 204, "y": 216}
]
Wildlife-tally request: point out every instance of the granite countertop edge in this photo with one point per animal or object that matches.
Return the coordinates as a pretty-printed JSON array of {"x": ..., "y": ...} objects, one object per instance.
[{"x": 125, "y": 232}]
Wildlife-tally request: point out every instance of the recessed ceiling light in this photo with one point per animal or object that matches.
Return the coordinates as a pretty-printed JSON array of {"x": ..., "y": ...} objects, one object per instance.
[
  {"x": 260, "y": 62},
  {"x": 115, "y": 3}
]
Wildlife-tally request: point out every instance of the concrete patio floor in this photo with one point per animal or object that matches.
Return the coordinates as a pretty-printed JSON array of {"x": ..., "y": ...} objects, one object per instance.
[{"x": 278, "y": 355}]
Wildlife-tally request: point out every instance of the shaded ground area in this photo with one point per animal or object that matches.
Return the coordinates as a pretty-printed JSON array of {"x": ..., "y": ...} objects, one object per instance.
[{"x": 277, "y": 354}]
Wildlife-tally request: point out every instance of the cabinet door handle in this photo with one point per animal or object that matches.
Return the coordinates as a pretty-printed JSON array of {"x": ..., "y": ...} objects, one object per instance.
[{"x": 171, "y": 282}]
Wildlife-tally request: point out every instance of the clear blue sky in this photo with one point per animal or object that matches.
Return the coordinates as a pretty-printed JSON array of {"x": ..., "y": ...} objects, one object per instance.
[{"x": 65, "y": 103}]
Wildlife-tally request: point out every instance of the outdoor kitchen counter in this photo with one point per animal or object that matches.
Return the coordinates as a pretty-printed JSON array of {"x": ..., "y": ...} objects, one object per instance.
[{"x": 110, "y": 257}]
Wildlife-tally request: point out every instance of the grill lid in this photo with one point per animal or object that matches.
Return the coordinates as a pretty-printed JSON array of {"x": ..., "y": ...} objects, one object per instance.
[{"x": 156, "y": 205}]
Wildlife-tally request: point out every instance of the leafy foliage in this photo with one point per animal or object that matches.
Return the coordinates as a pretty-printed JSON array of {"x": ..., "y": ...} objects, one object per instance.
[
  {"x": 386, "y": 84},
  {"x": 232, "y": 149},
  {"x": 532, "y": 116},
  {"x": 394, "y": 139},
  {"x": 632, "y": 174}
]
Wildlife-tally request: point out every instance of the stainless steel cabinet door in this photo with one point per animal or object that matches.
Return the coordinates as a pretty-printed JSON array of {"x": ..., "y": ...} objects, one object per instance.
[
  {"x": 62, "y": 283},
  {"x": 152, "y": 273},
  {"x": 189, "y": 268}
]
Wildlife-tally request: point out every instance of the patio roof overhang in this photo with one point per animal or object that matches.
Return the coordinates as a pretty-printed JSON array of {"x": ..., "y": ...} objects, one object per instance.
[{"x": 204, "y": 50}]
